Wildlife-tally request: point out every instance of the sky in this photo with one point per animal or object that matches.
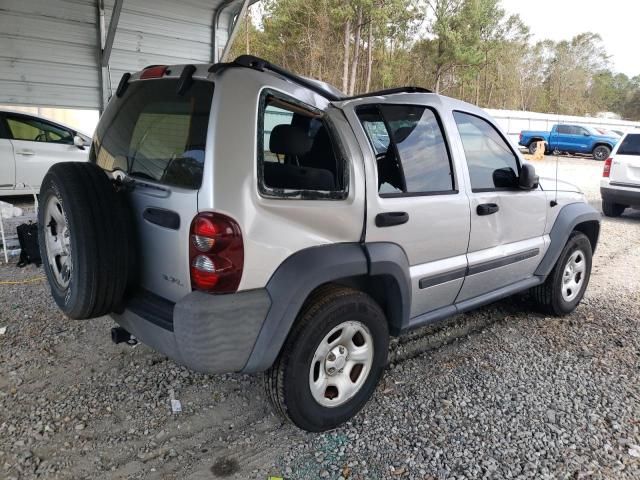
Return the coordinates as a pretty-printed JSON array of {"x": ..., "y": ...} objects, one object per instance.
[{"x": 615, "y": 20}]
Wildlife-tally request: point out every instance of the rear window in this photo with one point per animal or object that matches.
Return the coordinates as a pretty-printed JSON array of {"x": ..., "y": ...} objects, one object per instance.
[
  {"x": 155, "y": 134},
  {"x": 630, "y": 145}
]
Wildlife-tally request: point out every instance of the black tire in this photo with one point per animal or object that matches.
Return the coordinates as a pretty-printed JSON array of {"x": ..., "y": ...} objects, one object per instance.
[
  {"x": 548, "y": 296},
  {"x": 533, "y": 147},
  {"x": 611, "y": 209},
  {"x": 601, "y": 153},
  {"x": 99, "y": 236},
  {"x": 287, "y": 381}
]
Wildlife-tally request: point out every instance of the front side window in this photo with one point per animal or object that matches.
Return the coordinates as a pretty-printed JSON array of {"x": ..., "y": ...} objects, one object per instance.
[
  {"x": 298, "y": 155},
  {"x": 34, "y": 130},
  {"x": 411, "y": 153},
  {"x": 491, "y": 162}
]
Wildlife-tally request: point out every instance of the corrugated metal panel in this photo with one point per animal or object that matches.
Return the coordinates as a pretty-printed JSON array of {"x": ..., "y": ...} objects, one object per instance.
[
  {"x": 49, "y": 48},
  {"x": 160, "y": 32},
  {"x": 47, "y": 53}
]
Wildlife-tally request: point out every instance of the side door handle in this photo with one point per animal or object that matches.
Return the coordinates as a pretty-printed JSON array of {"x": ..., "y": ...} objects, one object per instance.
[
  {"x": 389, "y": 219},
  {"x": 25, "y": 152},
  {"x": 487, "y": 208}
]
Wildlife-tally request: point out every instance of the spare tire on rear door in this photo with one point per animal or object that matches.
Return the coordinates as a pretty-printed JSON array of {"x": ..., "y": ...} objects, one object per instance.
[{"x": 84, "y": 237}]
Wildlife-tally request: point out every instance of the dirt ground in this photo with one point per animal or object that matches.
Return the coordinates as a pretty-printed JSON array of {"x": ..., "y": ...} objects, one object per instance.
[{"x": 497, "y": 393}]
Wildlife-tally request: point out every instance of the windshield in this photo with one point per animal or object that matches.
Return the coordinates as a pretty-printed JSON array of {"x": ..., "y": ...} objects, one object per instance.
[{"x": 155, "y": 134}]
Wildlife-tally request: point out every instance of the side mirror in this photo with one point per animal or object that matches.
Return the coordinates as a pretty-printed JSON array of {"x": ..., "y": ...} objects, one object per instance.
[
  {"x": 528, "y": 179},
  {"x": 586, "y": 134},
  {"x": 505, "y": 178},
  {"x": 79, "y": 142}
]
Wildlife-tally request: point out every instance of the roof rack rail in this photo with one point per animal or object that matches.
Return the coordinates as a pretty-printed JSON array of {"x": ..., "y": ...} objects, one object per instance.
[
  {"x": 256, "y": 63},
  {"x": 390, "y": 91}
]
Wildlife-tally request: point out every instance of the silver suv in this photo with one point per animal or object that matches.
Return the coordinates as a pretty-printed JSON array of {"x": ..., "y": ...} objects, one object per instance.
[{"x": 240, "y": 218}]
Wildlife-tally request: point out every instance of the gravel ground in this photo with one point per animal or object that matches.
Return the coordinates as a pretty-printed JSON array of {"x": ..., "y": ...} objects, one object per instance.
[{"x": 496, "y": 393}]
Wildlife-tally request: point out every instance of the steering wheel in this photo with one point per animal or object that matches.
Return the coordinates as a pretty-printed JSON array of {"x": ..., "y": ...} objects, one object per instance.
[{"x": 42, "y": 137}]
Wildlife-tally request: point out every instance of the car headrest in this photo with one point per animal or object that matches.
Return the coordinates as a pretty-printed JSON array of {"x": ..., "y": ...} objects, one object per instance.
[{"x": 289, "y": 140}]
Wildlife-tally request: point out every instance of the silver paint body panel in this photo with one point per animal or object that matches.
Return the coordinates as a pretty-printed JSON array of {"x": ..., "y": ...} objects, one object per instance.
[{"x": 444, "y": 234}]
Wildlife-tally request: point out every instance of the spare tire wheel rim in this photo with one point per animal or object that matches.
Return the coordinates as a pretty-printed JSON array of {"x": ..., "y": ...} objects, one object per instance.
[
  {"x": 58, "y": 242},
  {"x": 573, "y": 276},
  {"x": 341, "y": 364}
]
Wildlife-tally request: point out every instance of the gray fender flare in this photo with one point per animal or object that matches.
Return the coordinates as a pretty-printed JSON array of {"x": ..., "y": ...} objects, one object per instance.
[
  {"x": 389, "y": 260},
  {"x": 304, "y": 271},
  {"x": 289, "y": 287},
  {"x": 569, "y": 217}
]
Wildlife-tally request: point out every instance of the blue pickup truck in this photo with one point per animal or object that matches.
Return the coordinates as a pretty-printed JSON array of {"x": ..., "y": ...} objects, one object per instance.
[{"x": 572, "y": 139}]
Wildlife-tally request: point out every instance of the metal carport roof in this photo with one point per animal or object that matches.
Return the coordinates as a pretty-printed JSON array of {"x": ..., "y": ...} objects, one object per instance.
[{"x": 72, "y": 53}]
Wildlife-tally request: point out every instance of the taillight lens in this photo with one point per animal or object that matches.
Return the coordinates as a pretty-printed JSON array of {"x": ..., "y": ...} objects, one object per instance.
[
  {"x": 607, "y": 168},
  {"x": 216, "y": 253}
]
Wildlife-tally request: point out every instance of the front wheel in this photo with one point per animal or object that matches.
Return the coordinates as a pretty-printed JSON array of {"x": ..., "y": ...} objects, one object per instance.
[
  {"x": 332, "y": 360},
  {"x": 601, "y": 153},
  {"x": 564, "y": 288}
]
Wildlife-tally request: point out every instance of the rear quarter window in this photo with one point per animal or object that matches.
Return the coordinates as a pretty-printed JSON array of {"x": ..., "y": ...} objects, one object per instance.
[
  {"x": 630, "y": 145},
  {"x": 298, "y": 154}
]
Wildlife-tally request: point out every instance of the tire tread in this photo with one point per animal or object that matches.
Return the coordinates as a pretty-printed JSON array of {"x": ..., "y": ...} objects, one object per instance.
[
  {"x": 274, "y": 377},
  {"x": 100, "y": 238},
  {"x": 543, "y": 295}
]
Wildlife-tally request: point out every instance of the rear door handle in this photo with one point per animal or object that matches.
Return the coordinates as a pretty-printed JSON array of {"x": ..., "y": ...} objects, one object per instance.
[
  {"x": 389, "y": 219},
  {"x": 25, "y": 152},
  {"x": 487, "y": 208}
]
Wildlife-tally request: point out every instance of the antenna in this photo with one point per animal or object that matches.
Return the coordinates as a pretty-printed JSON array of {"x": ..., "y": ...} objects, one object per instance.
[{"x": 554, "y": 202}]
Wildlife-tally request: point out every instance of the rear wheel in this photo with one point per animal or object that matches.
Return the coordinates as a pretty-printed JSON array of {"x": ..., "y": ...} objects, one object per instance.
[
  {"x": 84, "y": 239},
  {"x": 564, "y": 288},
  {"x": 611, "y": 209},
  {"x": 332, "y": 360},
  {"x": 601, "y": 153},
  {"x": 533, "y": 147}
]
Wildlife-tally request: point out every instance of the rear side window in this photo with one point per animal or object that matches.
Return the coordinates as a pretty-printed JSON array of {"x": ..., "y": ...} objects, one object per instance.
[
  {"x": 630, "y": 145},
  {"x": 34, "y": 130},
  {"x": 564, "y": 129},
  {"x": 411, "y": 153},
  {"x": 491, "y": 162},
  {"x": 155, "y": 134},
  {"x": 298, "y": 155}
]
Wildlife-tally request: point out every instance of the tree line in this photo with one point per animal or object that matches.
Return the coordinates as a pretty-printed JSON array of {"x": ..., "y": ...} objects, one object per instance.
[{"x": 469, "y": 49}]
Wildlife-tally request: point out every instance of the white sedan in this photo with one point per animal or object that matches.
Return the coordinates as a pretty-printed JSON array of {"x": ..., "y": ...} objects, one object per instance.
[{"x": 29, "y": 145}]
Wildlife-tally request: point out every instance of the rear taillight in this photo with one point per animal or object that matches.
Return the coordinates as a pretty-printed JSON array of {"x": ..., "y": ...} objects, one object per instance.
[
  {"x": 157, "y": 71},
  {"x": 607, "y": 168},
  {"x": 216, "y": 253}
]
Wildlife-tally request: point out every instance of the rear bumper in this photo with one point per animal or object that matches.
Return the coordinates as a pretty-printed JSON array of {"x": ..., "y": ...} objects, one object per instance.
[
  {"x": 208, "y": 333},
  {"x": 629, "y": 197}
]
